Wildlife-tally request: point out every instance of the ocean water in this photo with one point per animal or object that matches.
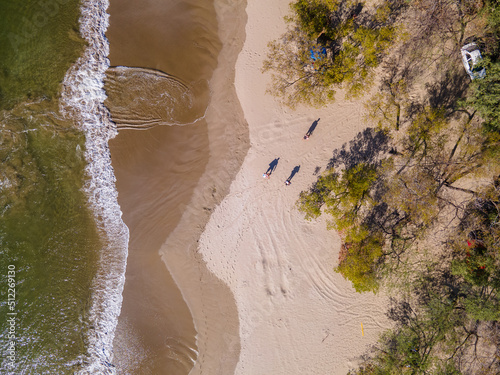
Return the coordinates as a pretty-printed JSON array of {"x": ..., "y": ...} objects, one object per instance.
[{"x": 62, "y": 242}]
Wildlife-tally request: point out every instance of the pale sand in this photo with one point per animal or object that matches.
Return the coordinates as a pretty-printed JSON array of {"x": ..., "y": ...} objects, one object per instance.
[{"x": 296, "y": 316}]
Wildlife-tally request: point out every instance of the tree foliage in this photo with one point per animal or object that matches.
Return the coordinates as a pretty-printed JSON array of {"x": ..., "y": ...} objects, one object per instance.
[
  {"x": 385, "y": 107},
  {"x": 382, "y": 206},
  {"x": 436, "y": 191},
  {"x": 410, "y": 348},
  {"x": 362, "y": 251},
  {"x": 485, "y": 96},
  {"x": 432, "y": 333},
  {"x": 476, "y": 247},
  {"x": 330, "y": 44},
  {"x": 492, "y": 37},
  {"x": 344, "y": 195}
]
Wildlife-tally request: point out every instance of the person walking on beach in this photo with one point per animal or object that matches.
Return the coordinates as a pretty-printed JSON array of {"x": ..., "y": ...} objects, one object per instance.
[
  {"x": 311, "y": 129},
  {"x": 272, "y": 166},
  {"x": 294, "y": 171}
]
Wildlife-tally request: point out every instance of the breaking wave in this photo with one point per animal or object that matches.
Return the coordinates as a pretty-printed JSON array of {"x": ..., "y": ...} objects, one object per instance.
[{"x": 82, "y": 101}]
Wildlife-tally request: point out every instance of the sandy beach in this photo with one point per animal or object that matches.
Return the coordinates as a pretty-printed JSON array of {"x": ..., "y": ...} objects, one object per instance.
[
  {"x": 253, "y": 276},
  {"x": 296, "y": 316}
]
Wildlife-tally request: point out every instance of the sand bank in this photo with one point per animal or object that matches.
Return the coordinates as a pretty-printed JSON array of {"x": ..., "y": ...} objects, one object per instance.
[
  {"x": 296, "y": 316},
  {"x": 169, "y": 179},
  {"x": 210, "y": 300},
  {"x": 157, "y": 173}
]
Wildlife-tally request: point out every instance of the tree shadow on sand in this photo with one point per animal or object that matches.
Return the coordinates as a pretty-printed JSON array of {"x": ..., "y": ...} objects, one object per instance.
[
  {"x": 367, "y": 147},
  {"x": 446, "y": 91}
]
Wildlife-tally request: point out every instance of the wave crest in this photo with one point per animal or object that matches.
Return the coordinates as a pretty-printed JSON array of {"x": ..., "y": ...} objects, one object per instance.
[{"x": 82, "y": 100}]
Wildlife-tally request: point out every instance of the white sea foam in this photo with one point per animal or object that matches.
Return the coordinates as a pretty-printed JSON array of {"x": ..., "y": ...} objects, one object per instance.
[{"x": 82, "y": 100}]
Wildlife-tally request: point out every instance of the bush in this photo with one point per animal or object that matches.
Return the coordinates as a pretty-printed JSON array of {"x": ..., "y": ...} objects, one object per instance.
[
  {"x": 485, "y": 96},
  {"x": 358, "y": 264}
]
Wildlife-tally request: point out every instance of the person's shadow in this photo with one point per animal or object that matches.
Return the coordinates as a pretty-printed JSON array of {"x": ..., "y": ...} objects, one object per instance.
[
  {"x": 312, "y": 127},
  {"x": 272, "y": 166},
  {"x": 294, "y": 172}
]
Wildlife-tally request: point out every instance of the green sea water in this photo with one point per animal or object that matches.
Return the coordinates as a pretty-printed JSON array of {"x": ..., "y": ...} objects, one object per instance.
[{"x": 49, "y": 242}]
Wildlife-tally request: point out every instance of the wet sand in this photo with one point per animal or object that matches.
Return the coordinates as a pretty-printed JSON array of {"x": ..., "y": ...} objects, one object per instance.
[
  {"x": 210, "y": 300},
  {"x": 156, "y": 172},
  {"x": 169, "y": 178}
]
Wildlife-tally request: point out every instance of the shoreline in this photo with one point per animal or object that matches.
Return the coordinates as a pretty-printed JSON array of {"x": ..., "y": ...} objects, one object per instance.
[
  {"x": 157, "y": 170},
  {"x": 210, "y": 301},
  {"x": 82, "y": 100}
]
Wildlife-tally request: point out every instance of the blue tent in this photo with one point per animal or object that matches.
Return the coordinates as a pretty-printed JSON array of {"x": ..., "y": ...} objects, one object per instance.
[{"x": 317, "y": 54}]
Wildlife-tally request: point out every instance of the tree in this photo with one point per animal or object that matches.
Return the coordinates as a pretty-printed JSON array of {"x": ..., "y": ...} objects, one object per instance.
[
  {"x": 414, "y": 345},
  {"x": 381, "y": 207},
  {"x": 485, "y": 96},
  {"x": 345, "y": 195},
  {"x": 360, "y": 255},
  {"x": 330, "y": 44},
  {"x": 493, "y": 29},
  {"x": 385, "y": 107},
  {"x": 447, "y": 320},
  {"x": 477, "y": 256}
]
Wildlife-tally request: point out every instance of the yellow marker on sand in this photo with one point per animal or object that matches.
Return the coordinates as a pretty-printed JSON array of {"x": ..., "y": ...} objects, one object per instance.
[{"x": 362, "y": 330}]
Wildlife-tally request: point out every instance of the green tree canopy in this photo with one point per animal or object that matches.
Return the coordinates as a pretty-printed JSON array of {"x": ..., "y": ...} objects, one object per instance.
[
  {"x": 485, "y": 96},
  {"x": 330, "y": 44}
]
